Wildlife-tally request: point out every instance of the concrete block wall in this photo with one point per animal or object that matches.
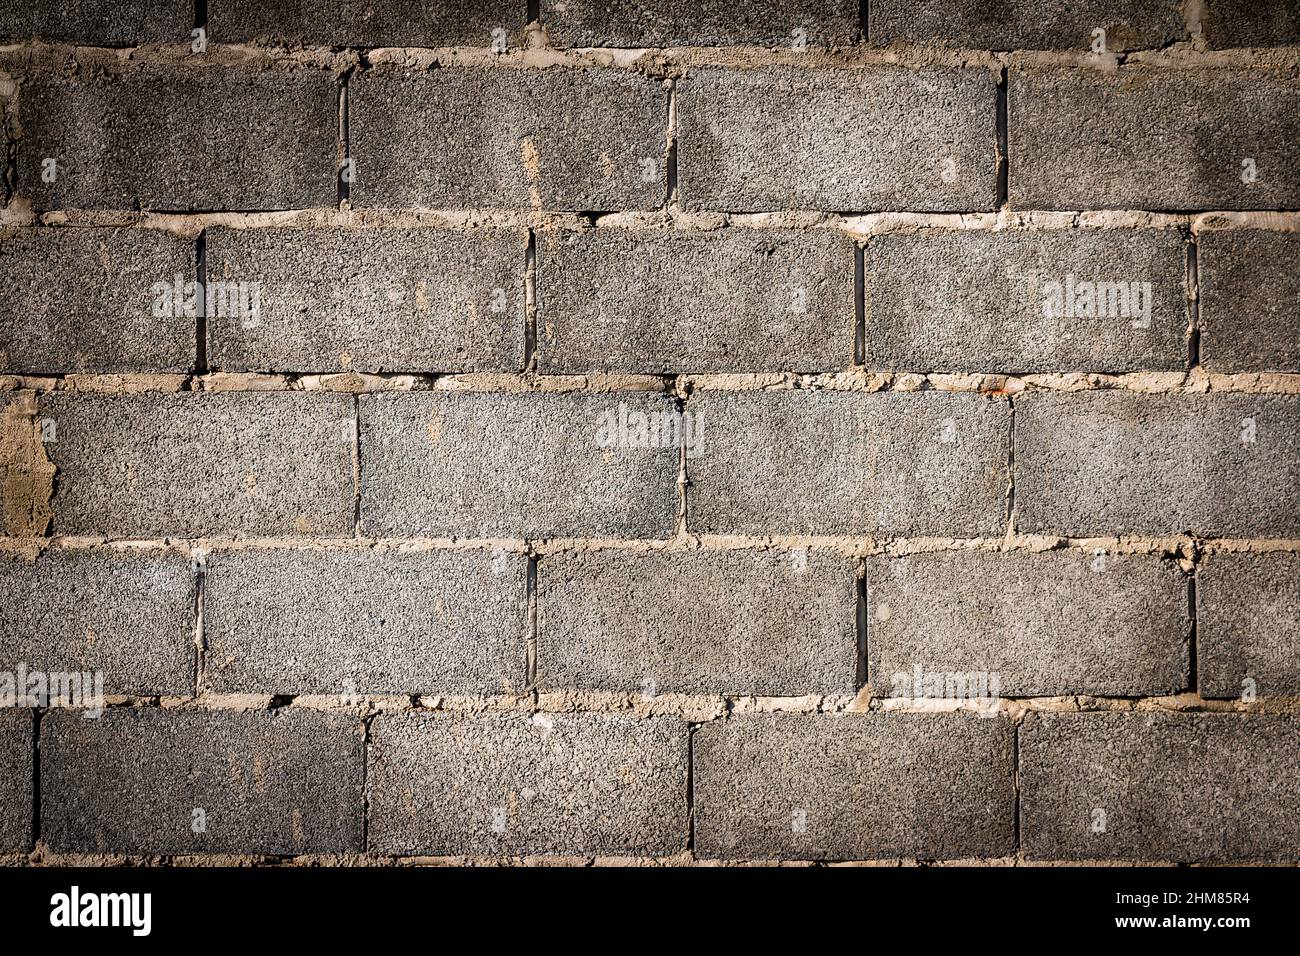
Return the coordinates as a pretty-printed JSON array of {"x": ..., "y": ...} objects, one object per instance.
[{"x": 800, "y": 430}]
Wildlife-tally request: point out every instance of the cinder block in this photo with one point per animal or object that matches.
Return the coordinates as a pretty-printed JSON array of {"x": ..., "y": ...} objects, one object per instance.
[
  {"x": 16, "y": 786},
  {"x": 1015, "y": 301},
  {"x": 367, "y": 300},
  {"x": 1251, "y": 23},
  {"x": 845, "y": 463},
  {"x": 560, "y": 138},
  {"x": 1250, "y": 301},
  {"x": 1248, "y": 625},
  {"x": 1061, "y": 622},
  {"x": 875, "y": 138},
  {"x": 192, "y": 463},
  {"x": 1146, "y": 137},
  {"x": 1030, "y": 24},
  {"x": 566, "y": 784},
  {"x": 668, "y": 23},
  {"x": 1104, "y": 463},
  {"x": 126, "y": 614},
  {"x": 365, "y": 622},
  {"x": 378, "y": 23},
  {"x": 1195, "y": 788},
  {"x": 768, "y": 623},
  {"x": 854, "y": 786},
  {"x": 95, "y": 23},
  {"x": 734, "y": 300},
  {"x": 524, "y": 465},
  {"x": 181, "y": 138},
  {"x": 143, "y": 780},
  {"x": 95, "y": 300}
]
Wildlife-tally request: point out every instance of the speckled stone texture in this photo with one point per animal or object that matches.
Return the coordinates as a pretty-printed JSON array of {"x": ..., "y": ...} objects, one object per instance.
[
  {"x": 376, "y": 23},
  {"x": 16, "y": 763},
  {"x": 668, "y": 23},
  {"x": 1248, "y": 625},
  {"x": 1249, "y": 301}
]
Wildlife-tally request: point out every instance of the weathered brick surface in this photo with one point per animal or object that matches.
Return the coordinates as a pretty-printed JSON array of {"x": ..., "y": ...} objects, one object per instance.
[
  {"x": 1187, "y": 787},
  {"x": 511, "y": 784},
  {"x": 15, "y": 780},
  {"x": 733, "y": 622},
  {"x": 665, "y": 23},
  {"x": 579, "y": 139},
  {"x": 1029, "y": 24},
  {"x": 1249, "y": 295},
  {"x": 368, "y": 300},
  {"x": 202, "y": 464},
  {"x": 365, "y": 622},
  {"x": 803, "y": 462},
  {"x": 1062, "y": 622},
  {"x": 1152, "y": 138},
  {"x": 854, "y": 786},
  {"x": 1218, "y": 465},
  {"x": 379, "y": 23},
  {"x": 181, "y": 138},
  {"x": 91, "y": 300},
  {"x": 1105, "y": 301},
  {"x": 883, "y": 137},
  {"x": 536, "y": 465},
  {"x": 727, "y": 301},
  {"x": 129, "y": 615},
  {"x": 1251, "y": 23},
  {"x": 131, "y": 781},
  {"x": 122, "y": 23},
  {"x": 1248, "y": 625}
]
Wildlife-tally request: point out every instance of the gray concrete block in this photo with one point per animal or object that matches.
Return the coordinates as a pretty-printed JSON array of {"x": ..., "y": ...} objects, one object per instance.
[
  {"x": 524, "y": 465},
  {"x": 283, "y": 783},
  {"x": 1014, "y": 301},
  {"x": 1250, "y": 301},
  {"x": 1251, "y": 23},
  {"x": 511, "y": 784},
  {"x": 16, "y": 793},
  {"x": 844, "y": 463},
  {"x": 734, "y": 300},
  {"x": 399, "y": 300},
  {"x": 1148, "y": 137},
  {"x": 767, "y": 623},
  {"x": 95, "y": 23},
  {"x": 1105, "y": 463},
  {"x": 880, "y": 137},
  {"x": 95, "y": 300},
  {"x": 473, "y": 137},
  {"x": 365, "y": 622},
  {"x": 1248, "y": 625},
  {"x": 1210, "y": 788},
  {"x": 1030, "y": 24},
  {"x": 188, "y": 138},
  {"x": 191, "y": 464},
  {"x": 1040, "y": 625},
  {"x": 126, "y": 614},
  {"x": 854, "y": 786},
  {"x": 378, "y": 23},
  {"x": 668, "y": 23}
]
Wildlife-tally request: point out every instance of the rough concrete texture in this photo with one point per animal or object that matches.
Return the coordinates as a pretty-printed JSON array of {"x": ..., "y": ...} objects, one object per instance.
[
  {"x": 127, "y": 615},
  {"x": 95, "y": 300},
  {"x": 751, "y": 300},
  {"x": 378, "y": 23},
  {"x": 670, "y": 23},
  {"x": 1030, "y": 24},
  {"x": 180, "y": 138},
  {"x": 854, "y": 786},
  {"x": 121, "y": 23},
  {"x": 1144, "y": 137},
  {"x": 26, "y": 472},
  {"x": 1251, "y": 23},
  {"x": 16, "y": 765},
  {"x": 1249, "y": 301},
  {"x": 1217, "y": 465},
  {"x": 874, "y": 138},
  {"x": 771, "y": 623},
  {"x": 969, "y": 301},
  {"x": 1248, "y": 625},
  {"x": 135, "y": 779},
  {"x": 367, "y": 300},
  {"x": 837, "y": 463},
  {"x": 533, "y": 465},
  {"x": 473, "y": 137},
  {"x": 365, "y": 622},
  {"x": 1061, "y": 622},
  {"x": 513, "y": 784},
  {"x": 1189, "y": 787},
  {"x": 202, "y": 464}
]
